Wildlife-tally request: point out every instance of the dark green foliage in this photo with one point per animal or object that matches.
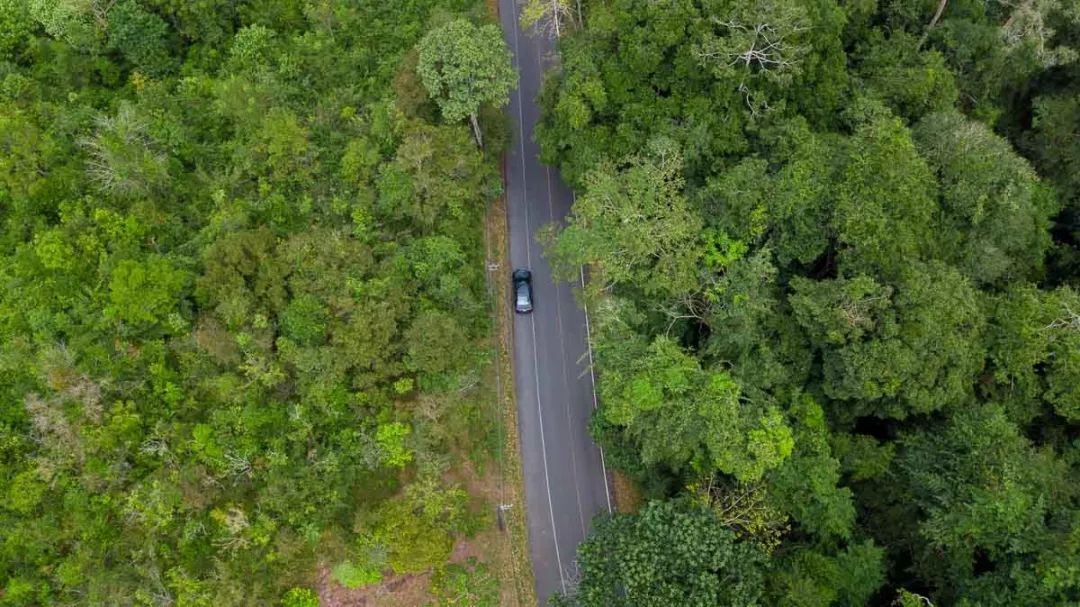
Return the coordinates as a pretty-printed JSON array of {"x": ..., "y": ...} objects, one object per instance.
[
  {"x": 865, "y": 230},
  {"x": 140, "y": 36},
  {"x": 669, "y": 553},
  {"x": 983, "y": 491},
  {"x": 808, "y": 578},
  {"x": 806, "y": 486},
  {"x": 894, "y": 354},
  {"x": 216, "y": 322},
  {"x": 911, "y": 81}
]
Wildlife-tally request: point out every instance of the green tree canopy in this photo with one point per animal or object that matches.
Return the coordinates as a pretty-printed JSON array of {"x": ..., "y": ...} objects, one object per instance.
[
  {"x": 669, "y": 553},
  {"x": 464, "y": 66},
  {"x": 634, "y": 223}
]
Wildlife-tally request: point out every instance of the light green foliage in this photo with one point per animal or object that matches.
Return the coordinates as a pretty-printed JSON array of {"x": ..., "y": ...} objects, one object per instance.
[
  {"x": 469, "y": 585},
  {"x": 300, "y": 597},
  {"x": 669, "y": 553},
  {"x": 464, "y": 66},
  {"x": 251, "y": 50},
  {"x": 351, "y": 576},
  {"x": 25, "y": 492},
  {"x": 80, "y": 23},
  {"x": 53, "y": 250},
  {"x": 415, "y": 531},
  {"x": 680, "y": 414},
  {"x": 391, "y": 439},
  {"x": 905, "y": 598},
  {"x": 223, "y": 364},
  {"x": 634, "y": 223},
  {"x": 144, "y": 293}
]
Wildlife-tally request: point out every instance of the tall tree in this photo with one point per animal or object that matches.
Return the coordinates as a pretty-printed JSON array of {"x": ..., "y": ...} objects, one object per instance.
[
  {"x": 897, "y": 351},
  {"x": 635, "y": 224},
  {"x": 679, "y": 414},
  {"x": 464, "y": 66},
  {"x": 991, "y": 197},
  {"x": 669, "y": 553}
]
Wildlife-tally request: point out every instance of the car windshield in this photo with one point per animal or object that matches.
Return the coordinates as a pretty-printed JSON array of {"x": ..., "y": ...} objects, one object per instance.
[{"x": 523, "y": 295}]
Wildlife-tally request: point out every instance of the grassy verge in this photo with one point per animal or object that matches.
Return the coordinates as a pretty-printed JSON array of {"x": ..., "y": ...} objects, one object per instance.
[{"x": 516, "y": 574}]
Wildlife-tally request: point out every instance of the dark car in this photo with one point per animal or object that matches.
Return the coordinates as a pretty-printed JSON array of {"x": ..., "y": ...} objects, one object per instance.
[{"x": 523, "y": 303}]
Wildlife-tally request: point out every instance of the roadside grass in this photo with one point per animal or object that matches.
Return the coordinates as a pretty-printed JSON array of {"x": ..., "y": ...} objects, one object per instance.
[{"x": 515, "y": 570}]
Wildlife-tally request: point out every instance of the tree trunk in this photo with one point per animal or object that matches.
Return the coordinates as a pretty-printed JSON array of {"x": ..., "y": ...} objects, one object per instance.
[
  {"x": 476, "y": 129},
  {"x": 937, "y": 14},
  {"x": 933, "y": 22}
]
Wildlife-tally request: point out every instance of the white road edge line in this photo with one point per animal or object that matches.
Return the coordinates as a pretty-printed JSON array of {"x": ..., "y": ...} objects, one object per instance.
[
  {"x": 532, "y": 320},
  {"x": 592, "y": 375},
  {"x": 566, "y": 382}
]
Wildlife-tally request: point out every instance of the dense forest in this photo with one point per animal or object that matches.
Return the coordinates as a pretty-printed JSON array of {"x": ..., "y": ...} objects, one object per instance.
[
  {"x": 244, "y": 326},
  {"x": 834, "y": 254}
]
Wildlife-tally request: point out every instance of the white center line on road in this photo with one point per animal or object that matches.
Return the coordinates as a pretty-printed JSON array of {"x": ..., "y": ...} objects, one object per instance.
[{"x": 532, "y": 319}]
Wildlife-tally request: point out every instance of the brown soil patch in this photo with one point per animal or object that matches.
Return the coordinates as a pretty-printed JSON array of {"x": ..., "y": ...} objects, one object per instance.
[
  {"x": 627, "y": 494},
  {"x": 397, "y": 591}
]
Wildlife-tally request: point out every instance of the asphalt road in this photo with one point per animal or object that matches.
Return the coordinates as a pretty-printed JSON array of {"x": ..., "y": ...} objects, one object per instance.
[{"x": 565, "y": 478}]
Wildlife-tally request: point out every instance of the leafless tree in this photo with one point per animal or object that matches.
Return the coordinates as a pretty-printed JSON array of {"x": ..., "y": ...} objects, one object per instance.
[
  {"x": 1029, "y": 23},
  {"x": 744, "y": 509},
  {"x": 758, "y": 37},
  {"x": 1069, "y": 321},
  {"x": 548, "y": 17},
  {"x": 123, "y": 158}
]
